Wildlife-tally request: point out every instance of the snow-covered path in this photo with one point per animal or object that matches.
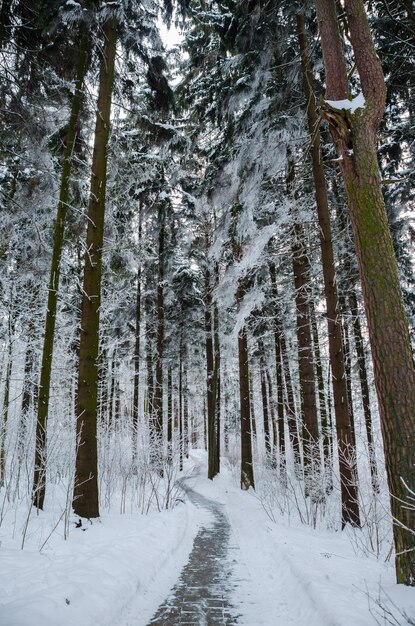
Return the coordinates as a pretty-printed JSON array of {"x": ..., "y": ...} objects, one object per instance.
[
  {"x": 202, "y": 593},
  {"x": 214, "y": 559}
]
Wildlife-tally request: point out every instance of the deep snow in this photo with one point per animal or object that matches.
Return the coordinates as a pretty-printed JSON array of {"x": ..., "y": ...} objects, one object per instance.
[{"x": 118, "y": 570}]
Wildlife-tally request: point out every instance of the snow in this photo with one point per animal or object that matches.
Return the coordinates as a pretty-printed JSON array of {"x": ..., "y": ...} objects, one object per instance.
[
  {"x": 117, "y": 571},
  {"x": 348, "y": 105}
]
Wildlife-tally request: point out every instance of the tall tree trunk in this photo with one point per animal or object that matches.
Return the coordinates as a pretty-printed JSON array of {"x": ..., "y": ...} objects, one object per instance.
[
  {"x": 185, "y": 409},
  {"x": 180, "y": 416},
  {"x": 170, "y": 412},
  {"x": 217, "y": 385},
  {"x": 54, "y": 277},
  {"x": 210, "y": 367},
  {"x": 149, "y": 368},
  {"x": 136, "y": 390},
  {"x": 342, "y": 407},
  {"x": 364, "y": 387},
  {"x": 5, "y": 411},
  {"x": 85, "y": 501},
  {"x": 354, "y": 135},
  {"x": 247, "y": 469},
  {"x": 264, "y": 396},
  {"x": 310, "y": 429},
  {"x": 28, "y": 393},
  {"x": 281, "y": 373},
  {"x": 158, "y": 390}
]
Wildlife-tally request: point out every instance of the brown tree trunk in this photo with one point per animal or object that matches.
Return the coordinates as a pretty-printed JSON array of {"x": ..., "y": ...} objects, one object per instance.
[
  {"x": 136, "y": 386},
  {"x": 210, "y": 390},
  {"x": 247, "y": 469},
  {"x": 364, "y": 387},
  {"x": 264, "y": 396},
  {"x": 354, "y": 135},
  {"x": 310, "y": 431},
  {"x": 342, "y": 406},
  {"x": 85, "y": 500},
  {"x": 54, "y": 277},
  {"x": 217, "y": 384},
  {"x": 158, "y": 389}
]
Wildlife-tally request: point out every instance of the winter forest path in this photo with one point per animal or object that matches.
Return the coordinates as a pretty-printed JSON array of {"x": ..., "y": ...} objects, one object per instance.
[{"x": 202, "y": 595}]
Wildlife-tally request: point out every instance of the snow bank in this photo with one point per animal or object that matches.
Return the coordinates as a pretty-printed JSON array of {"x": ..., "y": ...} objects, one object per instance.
[{"x": 88, "y": 579}]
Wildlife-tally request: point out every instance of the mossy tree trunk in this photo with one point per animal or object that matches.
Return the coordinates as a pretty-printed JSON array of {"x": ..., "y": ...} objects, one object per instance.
[
  {"x": 354, "y": 135},
  {"x": 85, "y": 497},
  {"x": 54, "y": 278}
]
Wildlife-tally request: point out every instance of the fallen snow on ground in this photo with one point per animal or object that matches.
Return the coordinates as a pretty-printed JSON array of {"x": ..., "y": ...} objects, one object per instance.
[
  {"x": 88, "y": 579},
  {"x": 116, "y": 572}
]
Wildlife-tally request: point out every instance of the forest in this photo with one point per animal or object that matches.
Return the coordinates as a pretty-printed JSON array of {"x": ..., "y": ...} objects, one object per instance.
[{"x": 207, "y": 231}]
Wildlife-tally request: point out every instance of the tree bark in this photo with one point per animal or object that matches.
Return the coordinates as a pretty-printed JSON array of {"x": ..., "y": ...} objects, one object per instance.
[
  {"x": 364, "y": 387},
  {"x": 310, "y": 430},
  {"x": 54, "y": 278},
  {"x": 342, "y": 406},
  {"x": 158, "y": 389},
  {"x": 247, "y": 469},
  {"x": 85, "y": 500},
  {"x": 354, "y": 135},
  {"x": 136, "y": 390}
]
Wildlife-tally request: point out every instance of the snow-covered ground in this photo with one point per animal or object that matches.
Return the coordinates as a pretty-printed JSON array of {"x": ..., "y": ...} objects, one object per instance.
[{"x": 117, "y": 571}]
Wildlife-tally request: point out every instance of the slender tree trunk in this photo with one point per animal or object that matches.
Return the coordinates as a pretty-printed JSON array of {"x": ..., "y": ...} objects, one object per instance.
[
  {"x": 217, "y": 385},
  {"x": 264, "y": 397},
  {"x": 85, "y": 501},
  {"x": 170, "y": 412},
  {"x": 364, "y": 387},
  {"x": 342, "y": 405},
  {"x": 305, "y": 355},
  {"x": 280, "y": 347},
  {"x": 150, "y": 374},
  {"x": 247, "y": 468},
  {"x": 28, "y": 393},
  {"x": 158, "y": 390},
  {"x": 50, "y": 322},
  {"x": 5, "y": 411},
  {"x": 210, "y": 367},
  {"x": 180, "y": 417},
  {"x": 354, "y": 135},
  {"x": 185, "y": 409},
  {"x": 136, "y": 390}
]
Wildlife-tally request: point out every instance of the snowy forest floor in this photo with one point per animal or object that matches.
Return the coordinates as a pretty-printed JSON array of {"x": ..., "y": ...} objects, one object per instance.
[{"x": 120, "y": 570}]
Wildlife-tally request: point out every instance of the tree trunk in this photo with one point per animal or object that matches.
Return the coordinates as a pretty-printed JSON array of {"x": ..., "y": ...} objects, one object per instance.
[
  {"x": 5, "y": 411},
  {"x": 85, "y": 501},
  {"x": 170, "y": 412},
  {"x": 136, "y": 390},
  {"x": 264, "y": 396},
  {"x": 354, "y": 135},
  {"x": 54, "y": 277},
  {"x": 342, "y": 407},
  {"x": 217, "y": 385},
  {"x": 180, "y": 416},
  {"x": 310, "y": 431},
  {"x": 210, "y": 367},
  {"x": 364, "y": 387}
]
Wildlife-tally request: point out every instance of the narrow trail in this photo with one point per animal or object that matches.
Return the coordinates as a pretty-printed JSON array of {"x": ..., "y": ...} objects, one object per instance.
[{"x": 202, "y": 594}]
